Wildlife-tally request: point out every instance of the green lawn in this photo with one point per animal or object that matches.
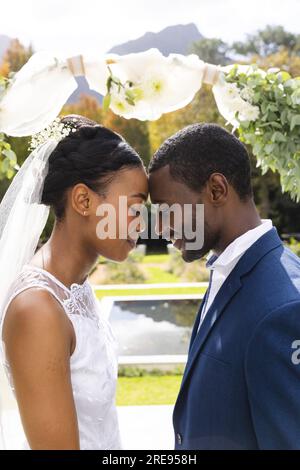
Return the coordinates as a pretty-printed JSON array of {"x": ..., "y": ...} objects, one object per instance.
[
  {"x": 100, "y": 293},
  {"x": 148, "y": 390},
  {"x": 156, "y": 259},
  {"x": 156, "y": 275},
  {"x": 153, "y": 270},
  {"x": 154, "y": 267}
]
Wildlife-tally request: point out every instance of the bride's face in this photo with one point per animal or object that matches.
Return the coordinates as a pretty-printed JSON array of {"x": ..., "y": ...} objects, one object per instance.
[{"x": 114, "y": 220}]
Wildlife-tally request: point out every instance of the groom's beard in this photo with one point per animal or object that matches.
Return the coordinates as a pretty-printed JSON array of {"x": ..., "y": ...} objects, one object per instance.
[
  {"x": 210, "y": 241},
  {"x": 193, "y": 255}
]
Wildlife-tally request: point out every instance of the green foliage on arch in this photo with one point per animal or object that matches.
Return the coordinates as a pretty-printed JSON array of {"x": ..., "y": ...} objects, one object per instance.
[{"x": 275, "y": 134}]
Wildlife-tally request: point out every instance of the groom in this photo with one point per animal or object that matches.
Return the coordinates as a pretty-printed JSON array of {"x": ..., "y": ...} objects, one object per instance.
[{"x": 241, "y": 384}]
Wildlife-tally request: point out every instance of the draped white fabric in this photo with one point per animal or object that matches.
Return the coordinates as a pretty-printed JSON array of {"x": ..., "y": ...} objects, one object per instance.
[
  {"x": 36, "y": 95},
  {"x": 160, "y": 84}
]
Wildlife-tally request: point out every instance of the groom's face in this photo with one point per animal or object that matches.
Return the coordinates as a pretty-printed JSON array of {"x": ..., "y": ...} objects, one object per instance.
[{"x": 165, "y": 191}]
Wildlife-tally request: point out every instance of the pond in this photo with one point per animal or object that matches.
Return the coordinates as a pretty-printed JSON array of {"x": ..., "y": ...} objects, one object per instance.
[{"x": 153, "y": 326}]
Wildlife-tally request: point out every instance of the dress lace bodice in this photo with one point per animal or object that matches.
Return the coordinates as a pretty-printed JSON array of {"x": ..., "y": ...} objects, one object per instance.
[{"x": 93, "y": 364}]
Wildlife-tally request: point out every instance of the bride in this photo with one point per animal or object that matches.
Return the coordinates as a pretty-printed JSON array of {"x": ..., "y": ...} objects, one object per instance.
[{"x": 60, "y": 353}]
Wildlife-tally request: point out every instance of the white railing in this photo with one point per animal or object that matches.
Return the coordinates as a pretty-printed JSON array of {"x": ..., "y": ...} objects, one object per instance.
[{"x": 165, "y": 359}]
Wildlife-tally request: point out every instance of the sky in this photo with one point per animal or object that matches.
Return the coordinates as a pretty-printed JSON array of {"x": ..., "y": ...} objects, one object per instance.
[{"x": 94, "y": 26}]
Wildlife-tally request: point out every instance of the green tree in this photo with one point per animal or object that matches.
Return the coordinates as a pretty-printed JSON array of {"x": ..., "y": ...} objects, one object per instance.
[
  {"x": 268, "y": 41},
  {"x": 202, "y": 109},
  {"x": 135, "y": 132},
  {"x": 213, "y": 51},
  {"x": 17, "y": 55},
  {"x": 87, "y": 106},
  {"x": 14, "y": 58}
]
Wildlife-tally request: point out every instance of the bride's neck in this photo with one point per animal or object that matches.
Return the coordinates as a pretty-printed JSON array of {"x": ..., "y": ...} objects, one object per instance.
[{"x": 66, "y": 256}]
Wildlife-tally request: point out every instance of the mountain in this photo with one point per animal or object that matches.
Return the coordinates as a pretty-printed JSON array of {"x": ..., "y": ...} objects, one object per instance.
[
  {"x": 83, "y": 88},
  {"x": 176, "y": 39}
]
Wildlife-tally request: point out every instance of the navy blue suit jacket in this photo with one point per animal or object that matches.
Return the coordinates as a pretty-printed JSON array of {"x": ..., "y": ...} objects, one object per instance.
[{"x": 241, "y": 384}]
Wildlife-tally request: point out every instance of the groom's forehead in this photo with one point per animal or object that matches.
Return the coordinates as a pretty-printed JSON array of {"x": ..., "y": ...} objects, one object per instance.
[
  {"x": 163, "y": 187},
  {"x": 160, "y": 182}
]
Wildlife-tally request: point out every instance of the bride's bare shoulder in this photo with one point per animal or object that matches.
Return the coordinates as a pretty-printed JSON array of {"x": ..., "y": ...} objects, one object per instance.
[{"x": 35, "y": 313}]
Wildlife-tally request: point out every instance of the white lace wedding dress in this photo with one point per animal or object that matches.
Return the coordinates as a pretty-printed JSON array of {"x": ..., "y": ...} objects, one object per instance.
[{"x": 93, "y": 363}]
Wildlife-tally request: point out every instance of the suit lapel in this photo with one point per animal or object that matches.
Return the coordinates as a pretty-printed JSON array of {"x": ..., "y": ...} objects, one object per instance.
[
  {"x": 231, "y": 286},
  {"x": 204, "y": 300},
  {"x": 223, "y": 297},
  {"x": 197, "y": 321}
]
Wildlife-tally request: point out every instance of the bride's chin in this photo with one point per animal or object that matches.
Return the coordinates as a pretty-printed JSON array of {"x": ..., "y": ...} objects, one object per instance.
[{"x": 121, "y": 255}]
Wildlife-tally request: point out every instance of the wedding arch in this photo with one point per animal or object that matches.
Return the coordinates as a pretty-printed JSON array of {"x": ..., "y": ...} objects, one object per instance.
[{"x": 264, "y": 106}]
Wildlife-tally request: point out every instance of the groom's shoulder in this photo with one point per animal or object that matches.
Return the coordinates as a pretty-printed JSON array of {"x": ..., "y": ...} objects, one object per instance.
[
  {"x": 272, "y": 286},
  {"x": 280, "y": 269},
  {"x": 289, "y": 266},
  {"x": 290, "y": 259},
  {"x": 274, "y": 277}
]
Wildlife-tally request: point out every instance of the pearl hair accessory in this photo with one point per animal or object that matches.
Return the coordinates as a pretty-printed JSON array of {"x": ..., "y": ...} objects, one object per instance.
[{"x": 57, "y": 131}]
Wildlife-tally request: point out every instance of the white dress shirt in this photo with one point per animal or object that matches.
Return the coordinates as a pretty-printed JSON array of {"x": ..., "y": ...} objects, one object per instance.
[{"x": 221, "y": 266}]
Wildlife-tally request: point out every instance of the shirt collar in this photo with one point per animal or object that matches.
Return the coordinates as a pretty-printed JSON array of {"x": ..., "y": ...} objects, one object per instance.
[
  {"x": 210, "y": 259},
  {"x": 238, "y": 247}
]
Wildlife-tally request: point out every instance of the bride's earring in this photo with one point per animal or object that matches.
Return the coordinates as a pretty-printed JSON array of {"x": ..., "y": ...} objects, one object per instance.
[{"x": 87, "y": 205}]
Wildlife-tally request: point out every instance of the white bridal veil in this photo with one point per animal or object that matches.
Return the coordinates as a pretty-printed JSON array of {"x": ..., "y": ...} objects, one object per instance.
[{"x": 22, "y": 219}]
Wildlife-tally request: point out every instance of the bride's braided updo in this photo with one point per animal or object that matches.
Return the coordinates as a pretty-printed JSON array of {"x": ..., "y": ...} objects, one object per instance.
[{"x": 91, "y": 154}]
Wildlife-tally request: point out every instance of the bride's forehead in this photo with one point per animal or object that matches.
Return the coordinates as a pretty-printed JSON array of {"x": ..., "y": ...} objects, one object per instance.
[
  {"x": 129, "y": 185},
  {"x": 132, "y": 177}
]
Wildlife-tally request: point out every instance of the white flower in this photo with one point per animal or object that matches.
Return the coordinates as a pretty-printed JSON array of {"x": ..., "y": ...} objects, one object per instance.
[
  {"x": 273, "y": 70},
  {"x": 247, "y": 94},
  {"x": 235, "y": 104},
  {"x": 231, "y": 91},
  {"x": 250, "y": 113},
  {"x": 230, "y": 103},
  {"x": 242, "y": 68},
  {"x": 154, "y": 87},
  {"x": 156, "y": 83},
  {"x": 119, "y": 105},
  {"x": 295, "y": 97}
]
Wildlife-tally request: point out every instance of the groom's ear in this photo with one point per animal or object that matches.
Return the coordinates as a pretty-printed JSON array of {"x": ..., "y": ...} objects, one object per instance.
[{"x": 217, "y": 189}]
